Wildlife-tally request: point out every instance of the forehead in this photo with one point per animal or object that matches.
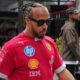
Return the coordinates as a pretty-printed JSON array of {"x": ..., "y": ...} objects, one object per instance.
[
  {"x": 40, "y": 12},
  {"x": 75, "y": 13}
]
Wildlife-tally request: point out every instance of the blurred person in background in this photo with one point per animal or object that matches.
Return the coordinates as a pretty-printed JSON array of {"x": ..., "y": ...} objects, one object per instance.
[
  {"x": 32, "y": 55},
  {"x": 70, "y": 39}
]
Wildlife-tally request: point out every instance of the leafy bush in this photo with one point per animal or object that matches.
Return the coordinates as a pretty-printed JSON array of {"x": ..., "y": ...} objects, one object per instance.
[{"x": 58, "y": 42}]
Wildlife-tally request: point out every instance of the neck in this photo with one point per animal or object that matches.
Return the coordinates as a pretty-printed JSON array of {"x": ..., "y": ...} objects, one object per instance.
[
  {"x": 27, "y": 33},
  {"x": 71, "y": 20}
]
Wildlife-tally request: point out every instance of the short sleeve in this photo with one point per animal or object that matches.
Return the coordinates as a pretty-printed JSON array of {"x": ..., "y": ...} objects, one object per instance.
[
  {"x": 58, "y": 61},
  {"x": 6, "y": 62}
]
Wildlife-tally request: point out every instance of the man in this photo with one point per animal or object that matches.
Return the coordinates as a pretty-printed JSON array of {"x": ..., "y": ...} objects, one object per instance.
[
  {"x": 70, "y": 39},
  {"x": 31, "y": 55}
]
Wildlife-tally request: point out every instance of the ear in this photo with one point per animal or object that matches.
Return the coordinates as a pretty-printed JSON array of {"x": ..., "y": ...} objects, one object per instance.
[{"x": 27, "y": 20}]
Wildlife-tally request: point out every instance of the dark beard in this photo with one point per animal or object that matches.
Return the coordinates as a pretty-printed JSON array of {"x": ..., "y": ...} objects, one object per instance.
[
  {"x": 75, "y": 20},
  {"x": 36, "y": 35}
]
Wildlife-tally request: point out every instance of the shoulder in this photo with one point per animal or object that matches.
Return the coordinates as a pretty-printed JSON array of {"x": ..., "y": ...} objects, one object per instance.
[
  {"x": 12, "y": 42},
  {"x": 47, "y": 38},
  {"x": 9, "y": 44},
  {"x": 50, "y": 40},
  {"x": 67, "y": 26},
  {"x": 68, "y": 29}
]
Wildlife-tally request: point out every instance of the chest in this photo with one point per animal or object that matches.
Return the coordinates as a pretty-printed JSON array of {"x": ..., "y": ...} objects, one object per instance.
[{"x": 33, "y": 54}]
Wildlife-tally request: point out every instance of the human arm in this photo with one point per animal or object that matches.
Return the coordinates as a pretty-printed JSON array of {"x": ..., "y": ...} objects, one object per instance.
[
  {"x": 6, "y": 63},
  {"x": 60, "y": 67},
  {"x": 65, "y": 75}
]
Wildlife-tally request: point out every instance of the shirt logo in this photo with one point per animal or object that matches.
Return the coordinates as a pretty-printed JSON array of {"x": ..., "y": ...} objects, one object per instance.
[
  {"x": 29, "y": 51},
  {"x": 33, "y": 64},
  {"x": 48, "y": 46},
  {"x": 34, "y": 73}
]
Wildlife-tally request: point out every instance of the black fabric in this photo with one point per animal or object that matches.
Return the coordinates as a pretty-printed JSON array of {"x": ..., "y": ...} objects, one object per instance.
[{"x": 77, "y": 27}]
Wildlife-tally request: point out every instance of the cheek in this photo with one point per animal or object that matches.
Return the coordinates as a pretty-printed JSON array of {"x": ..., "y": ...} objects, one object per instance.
[
  {"x": 36, "y": 28},
  {"x": 76, "y": 16}
]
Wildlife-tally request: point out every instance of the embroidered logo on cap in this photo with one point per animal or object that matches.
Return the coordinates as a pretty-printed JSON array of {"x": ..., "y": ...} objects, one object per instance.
[{"x": 29, "y": 51}]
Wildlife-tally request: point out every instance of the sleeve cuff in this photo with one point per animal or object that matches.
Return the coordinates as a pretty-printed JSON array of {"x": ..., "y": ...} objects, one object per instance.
[
  {"x": 61, "y": 68},
  {"x": 3, "y": 76}
]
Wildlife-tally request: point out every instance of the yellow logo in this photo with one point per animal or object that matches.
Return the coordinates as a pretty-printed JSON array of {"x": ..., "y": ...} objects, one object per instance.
[
  {"x": 48, "y": 46},
  {"x": 33, "y": 63}
]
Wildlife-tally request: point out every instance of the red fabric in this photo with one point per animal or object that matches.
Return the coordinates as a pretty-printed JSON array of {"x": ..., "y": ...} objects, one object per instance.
[{"x": 25, "y": 59}]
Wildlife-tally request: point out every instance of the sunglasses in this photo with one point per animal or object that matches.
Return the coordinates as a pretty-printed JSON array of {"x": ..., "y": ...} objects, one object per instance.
[{"x": 40, "y": 22}]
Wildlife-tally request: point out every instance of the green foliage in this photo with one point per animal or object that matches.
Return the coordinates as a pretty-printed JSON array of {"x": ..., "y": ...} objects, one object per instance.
[{"x": 58, "y": 42}]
